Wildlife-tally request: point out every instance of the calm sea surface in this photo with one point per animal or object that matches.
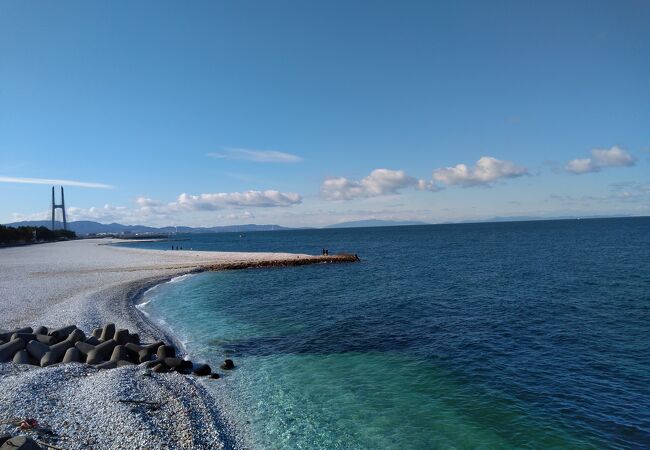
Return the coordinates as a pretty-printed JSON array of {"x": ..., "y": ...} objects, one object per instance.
[{"x": 502, "y": 335}]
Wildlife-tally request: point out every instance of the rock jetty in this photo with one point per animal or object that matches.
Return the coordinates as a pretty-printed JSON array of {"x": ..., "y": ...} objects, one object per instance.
[{"x": 105, "y": 348}]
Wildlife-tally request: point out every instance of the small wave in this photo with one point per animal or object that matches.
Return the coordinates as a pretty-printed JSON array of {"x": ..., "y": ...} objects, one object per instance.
[
  {"x": 148, "y": 291},
  {"x": 142, "y": 305},
  {"x": 146, "y": 296},
  {"x": 180, "y": 337},
  {"x": 181, "y": 277},
  {"x": 146, "y": 299}
]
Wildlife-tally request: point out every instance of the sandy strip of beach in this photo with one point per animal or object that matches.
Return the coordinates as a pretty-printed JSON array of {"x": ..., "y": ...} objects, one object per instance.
[{"x": 89, "y": 283}]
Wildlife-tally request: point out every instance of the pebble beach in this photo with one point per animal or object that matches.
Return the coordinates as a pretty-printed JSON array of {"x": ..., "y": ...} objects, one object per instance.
[{"x": 89, "y": 283}]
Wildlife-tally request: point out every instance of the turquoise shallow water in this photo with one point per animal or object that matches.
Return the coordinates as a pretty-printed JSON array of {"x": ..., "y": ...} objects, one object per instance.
[{"x": 511, "y": 335}]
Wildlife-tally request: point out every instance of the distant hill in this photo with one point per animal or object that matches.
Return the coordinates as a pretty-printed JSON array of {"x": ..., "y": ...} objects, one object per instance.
[
  {"x": 375, "y": 223},
  {"x": 497, "y": 219},
  {"x": 85, "y": 227}
]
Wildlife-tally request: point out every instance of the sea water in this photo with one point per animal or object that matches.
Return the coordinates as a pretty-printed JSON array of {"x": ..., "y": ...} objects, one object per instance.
[{"x": 496, "y": 335}]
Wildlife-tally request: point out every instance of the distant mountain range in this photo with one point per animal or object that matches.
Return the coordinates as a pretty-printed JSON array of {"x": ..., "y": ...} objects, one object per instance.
[
  {"x": 84, "y": 227},
  {"x": 535, "y": 218},
  {"x": 375, "y": 223}
]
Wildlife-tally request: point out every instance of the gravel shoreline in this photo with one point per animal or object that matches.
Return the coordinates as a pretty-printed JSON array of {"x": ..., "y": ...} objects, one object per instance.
[{"x": 88, "y": 284}]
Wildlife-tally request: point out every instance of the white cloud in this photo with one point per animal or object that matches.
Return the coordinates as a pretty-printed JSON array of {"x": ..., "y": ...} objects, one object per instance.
[
  {"x": 43, "y": 215},
  {"x": 379, "y": 182},
  {"x": 584, "y": 165},
  {"x": 55, "y": 182},
  {"x": 425, "y": 185},
  {"x": 144, "y": 215},
  {"x": 146, "y": 202},
  {"x": 341, "y": 189},
  {"x": 600, "y": 159},
  {"x": 257, "y": 155},
  {"x": 235, "y": 206},
  {"x": 107, "y": 213},
  {"x": 486, "y": 171},
  {"x": 388, "y": 182},
  {"x": 614, "y": 157},
  {"x": 221, "y": 200}
]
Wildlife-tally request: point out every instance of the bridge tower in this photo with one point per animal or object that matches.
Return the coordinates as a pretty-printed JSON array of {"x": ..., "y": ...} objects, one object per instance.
[{"x": 60, "y": 206}]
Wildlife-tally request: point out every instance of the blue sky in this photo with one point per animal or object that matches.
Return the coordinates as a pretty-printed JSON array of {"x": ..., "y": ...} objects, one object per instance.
[{"x": 310, "y": 113}]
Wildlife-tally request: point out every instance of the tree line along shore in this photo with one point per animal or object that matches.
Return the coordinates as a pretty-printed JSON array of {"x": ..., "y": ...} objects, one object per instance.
[{"x": 32, "y": 235}]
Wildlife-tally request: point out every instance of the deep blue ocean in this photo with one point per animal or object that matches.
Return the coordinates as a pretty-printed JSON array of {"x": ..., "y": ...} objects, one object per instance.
[{"x": 494, "y": 335}]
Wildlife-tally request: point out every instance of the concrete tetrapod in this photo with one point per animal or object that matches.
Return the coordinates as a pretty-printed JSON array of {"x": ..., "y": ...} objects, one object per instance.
[
  {"x": 40, "y": 330},
  {"x": 228, "y": 365},
  {"x": 55, "y": 355},
  {"x": 101, "y": 352},
  {"x": 56, "y": 352},
  {"x": 165, "y": 351},
  {"x": 85, "y": 347},
  {"x": 121, "y": 336},
  {"x": 72, "y": 355},
  {"x": 119, "y": 353},
  {"x": 107, "y": 332},
  {"x": 69, "y": 344},
  {"x": 5, "y": 335},
  {"x": 20, "y": 443},
  {"x": 37, "y": 349},
  {"x": 21, "y": 357},
  {"x": 202, "y": 370},
  {"x": 8, "y": 350},
  {"x": 63, "y": 332}
]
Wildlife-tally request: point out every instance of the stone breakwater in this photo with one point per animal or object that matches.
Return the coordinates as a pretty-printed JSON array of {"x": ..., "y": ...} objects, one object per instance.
[
  {"x": 237, "y": 265},
  {"x": 106, "y": 348}
]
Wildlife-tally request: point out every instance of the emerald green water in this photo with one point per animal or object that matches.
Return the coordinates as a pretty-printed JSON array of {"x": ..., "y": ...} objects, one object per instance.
[
  {"x": 492, "y": 336},
  {"x": 349, "y": 399}
]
